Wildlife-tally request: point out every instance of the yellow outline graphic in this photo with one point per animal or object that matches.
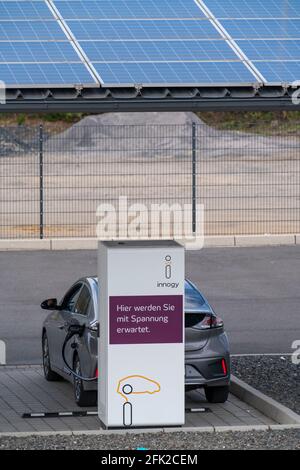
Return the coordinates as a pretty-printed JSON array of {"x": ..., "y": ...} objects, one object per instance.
[{"x": 119, "y": 387}]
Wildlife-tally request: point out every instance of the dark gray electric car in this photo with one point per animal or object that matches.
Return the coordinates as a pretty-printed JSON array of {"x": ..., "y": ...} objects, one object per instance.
[{"x": 207, "y": 360}]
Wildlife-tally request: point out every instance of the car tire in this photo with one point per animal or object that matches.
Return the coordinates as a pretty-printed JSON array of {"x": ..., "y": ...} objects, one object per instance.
[
  {"x": 82, "y": 397},
  {"x": 217, "y": 394},
  {"x": 50, "y": 376}
]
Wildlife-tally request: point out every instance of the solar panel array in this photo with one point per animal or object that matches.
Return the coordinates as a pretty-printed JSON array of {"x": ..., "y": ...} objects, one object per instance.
[
  {"x": 149, "y": 42},
  {"x": 267, "y": 31},
  {"x": 34, "y": 49}
]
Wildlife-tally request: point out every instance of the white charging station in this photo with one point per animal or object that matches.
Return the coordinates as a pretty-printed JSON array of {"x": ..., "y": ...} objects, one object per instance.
[{"x": 141, "y": 347}]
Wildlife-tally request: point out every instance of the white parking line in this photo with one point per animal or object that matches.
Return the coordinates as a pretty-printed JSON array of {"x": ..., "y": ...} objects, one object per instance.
[{"x": 2, "y": 353}]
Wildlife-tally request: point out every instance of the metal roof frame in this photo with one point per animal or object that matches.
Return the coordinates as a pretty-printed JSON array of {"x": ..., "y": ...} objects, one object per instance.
[{"x": 146, "y": 98}]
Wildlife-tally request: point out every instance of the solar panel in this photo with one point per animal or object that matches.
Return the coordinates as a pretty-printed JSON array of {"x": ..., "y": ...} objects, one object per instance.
[
  {"x": 174, "y": 73},
  {"x": 142, "y": 30},
  {"x": 263, "y": 29},
  {"x": 44, "y": 74},
  {"x": 266, "y": 32},
  {"x": 41, "y": 52},
  {"x": 34, "y": 48},
  {"x": 282, "y": 50},
  {"x": 30, "y": 31},
  {"x": 162, "y": 51},
  {"x": 279, "y": 72},
  {"x": 149, "y": 42},
  {"x": 24, "y": 10},
  {"x": 128, "y": 9},
  {"x": 254, "y": 8}
]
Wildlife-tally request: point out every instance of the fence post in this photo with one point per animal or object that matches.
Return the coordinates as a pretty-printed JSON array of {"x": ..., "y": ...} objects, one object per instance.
[
  {"x": 41, "y": 173},
  {"x": 194, "y": 181}
]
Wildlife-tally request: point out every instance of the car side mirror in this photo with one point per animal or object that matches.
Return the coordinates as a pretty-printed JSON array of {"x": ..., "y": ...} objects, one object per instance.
[{"x": 50, "y": 304}]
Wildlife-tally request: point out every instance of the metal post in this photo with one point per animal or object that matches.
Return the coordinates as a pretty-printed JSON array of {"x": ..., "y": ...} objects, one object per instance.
[
  {"x": 194, "y": 181},
  {"x": 41, "y": 172}
]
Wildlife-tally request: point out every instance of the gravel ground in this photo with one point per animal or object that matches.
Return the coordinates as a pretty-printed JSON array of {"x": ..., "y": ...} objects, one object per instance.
[
  {"x": 288, "y": 439},
  {"x": 275, "y": 376}
]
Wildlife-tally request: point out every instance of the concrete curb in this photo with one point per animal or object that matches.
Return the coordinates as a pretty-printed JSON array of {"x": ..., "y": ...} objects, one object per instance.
[
  {"x": 25, "y": 245},
  {"x": 73, "y": 244},
  {"x": 265, "y": 240},
  {"x": 220, "y": 241},
  {"x": 57, "y": 244},
  {"x": 266, "y": 405},
  {"x": 187, "y": 430}
]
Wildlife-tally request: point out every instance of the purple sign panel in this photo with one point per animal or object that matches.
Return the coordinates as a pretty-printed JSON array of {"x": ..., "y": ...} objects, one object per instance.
[{"x": 146, "y": 319}]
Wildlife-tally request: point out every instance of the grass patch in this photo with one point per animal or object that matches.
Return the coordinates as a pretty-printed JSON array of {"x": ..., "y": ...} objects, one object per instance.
[{"x": 265, "y": 123}]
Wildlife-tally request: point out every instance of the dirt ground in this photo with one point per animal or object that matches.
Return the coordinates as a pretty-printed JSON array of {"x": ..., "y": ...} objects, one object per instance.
[
  {"x": 248, "y": 183},
  {"x": 240, "y": 195}
]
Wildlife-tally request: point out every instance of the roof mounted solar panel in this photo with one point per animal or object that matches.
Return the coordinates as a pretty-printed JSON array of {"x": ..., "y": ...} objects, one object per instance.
[
  {"x": 146, "y": 43},
  {"x": 45, "y": 74},
  {"x": 263, "y": 28},
  {"x": 24, "y": 10},
  {"x": 247, "y": 9},
  {"x": 150, "y": 50},
  {"x": 271, "y": 49},
  {"x": 128, "y": 9},
  {"x": 138, "y": 30},
  {"x": 173, "y": 73},
  {"x": 268, "y": 34},
  {"x": 157, "y": 51},
  {"x": 279, "y": 72},
  {"x": 35, "y": 50},
  {"x": 13, "y": 31}
]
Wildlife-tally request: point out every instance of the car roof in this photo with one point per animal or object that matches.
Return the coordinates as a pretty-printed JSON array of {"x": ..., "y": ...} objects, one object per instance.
[{"x": 195, "y": 302}]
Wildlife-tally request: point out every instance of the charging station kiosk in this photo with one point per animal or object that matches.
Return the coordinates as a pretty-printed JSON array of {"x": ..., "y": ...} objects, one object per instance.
[{"x": 141, "y": 347}]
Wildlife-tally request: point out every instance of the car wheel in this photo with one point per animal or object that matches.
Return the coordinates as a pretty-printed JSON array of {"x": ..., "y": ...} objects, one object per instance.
[
  {"x": 217, "y": 394},
  {"x": 82, "y": 397},
  {"x": 50, "y": 376}
]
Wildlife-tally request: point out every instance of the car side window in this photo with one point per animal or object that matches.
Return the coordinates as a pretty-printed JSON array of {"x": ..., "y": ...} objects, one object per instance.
[
  {"x": 83, "y": 301},
  {"x": 71, "y": 299}
]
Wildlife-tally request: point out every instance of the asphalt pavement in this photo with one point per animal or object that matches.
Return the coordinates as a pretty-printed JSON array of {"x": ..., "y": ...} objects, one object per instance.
[{"x": 255, "y": 290}]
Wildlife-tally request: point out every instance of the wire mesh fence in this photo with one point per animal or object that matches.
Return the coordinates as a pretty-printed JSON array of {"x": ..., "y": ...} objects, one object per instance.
[{"x": 51, "y": 185}]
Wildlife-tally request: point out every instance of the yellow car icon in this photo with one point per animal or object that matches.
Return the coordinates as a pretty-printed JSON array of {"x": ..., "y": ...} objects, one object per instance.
[{"x": 135, "y": 385}]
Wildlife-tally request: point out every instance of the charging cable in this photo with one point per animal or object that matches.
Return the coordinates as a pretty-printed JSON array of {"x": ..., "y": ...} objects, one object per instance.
[{"x": 74, "y": 330}]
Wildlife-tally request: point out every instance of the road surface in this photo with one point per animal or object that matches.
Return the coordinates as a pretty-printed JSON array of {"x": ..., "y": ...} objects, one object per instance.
[{"x": 255, "y": 290}]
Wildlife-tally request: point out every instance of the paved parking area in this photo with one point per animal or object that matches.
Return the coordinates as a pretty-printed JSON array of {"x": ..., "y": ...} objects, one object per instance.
[{"x": 23, "y": 389}]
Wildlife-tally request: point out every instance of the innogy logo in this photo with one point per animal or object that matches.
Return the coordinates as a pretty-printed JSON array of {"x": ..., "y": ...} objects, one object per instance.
[{"x": 168, "y": 274}]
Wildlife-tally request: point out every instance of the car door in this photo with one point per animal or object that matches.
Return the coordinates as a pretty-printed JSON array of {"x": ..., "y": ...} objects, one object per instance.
[
  {"x": 64, "y": 319},
  {"x": 80, "y": 315}
]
